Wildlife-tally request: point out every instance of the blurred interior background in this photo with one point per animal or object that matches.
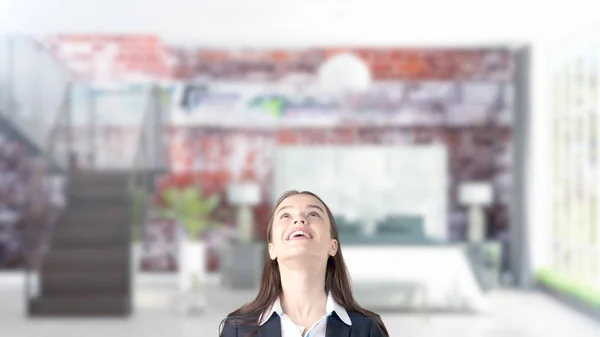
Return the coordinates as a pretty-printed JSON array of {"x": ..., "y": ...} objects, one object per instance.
[{"x": 143, "y": 145}]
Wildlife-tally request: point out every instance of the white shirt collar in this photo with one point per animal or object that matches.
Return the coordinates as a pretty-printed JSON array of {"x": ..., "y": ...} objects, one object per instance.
[{"x": 330, "y": 306}]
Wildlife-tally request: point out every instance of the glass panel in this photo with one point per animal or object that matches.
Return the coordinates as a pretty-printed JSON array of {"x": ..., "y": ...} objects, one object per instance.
[{"x": 32, "y": 86}]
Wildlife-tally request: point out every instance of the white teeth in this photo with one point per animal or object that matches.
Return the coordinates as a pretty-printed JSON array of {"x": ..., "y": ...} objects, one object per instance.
[{"x": 297, "y": 233}]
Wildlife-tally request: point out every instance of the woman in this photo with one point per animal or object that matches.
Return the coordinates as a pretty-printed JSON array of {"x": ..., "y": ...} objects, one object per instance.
[{"x": 305, "y": 288}]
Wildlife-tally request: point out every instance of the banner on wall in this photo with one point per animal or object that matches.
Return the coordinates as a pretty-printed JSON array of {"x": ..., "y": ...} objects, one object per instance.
[{"x": 223, "y": 103}]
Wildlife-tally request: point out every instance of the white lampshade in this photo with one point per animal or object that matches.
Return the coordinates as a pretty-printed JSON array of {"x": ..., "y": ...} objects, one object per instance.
[
  {"x": 344, "y": 73},
  {"x": 247, "y": 193},
  {"x": 475, "y": 193}
]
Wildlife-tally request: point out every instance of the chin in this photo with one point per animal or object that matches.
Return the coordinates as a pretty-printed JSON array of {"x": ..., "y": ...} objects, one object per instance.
[{"x": 301, "y": 256}]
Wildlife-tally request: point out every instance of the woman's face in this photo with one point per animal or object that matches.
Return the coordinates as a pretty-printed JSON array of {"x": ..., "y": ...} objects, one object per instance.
[{"x": 301, "y": 229}]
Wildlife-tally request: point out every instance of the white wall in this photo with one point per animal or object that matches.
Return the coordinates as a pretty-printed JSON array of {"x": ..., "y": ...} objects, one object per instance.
[
  {"x": 294, "y": 22},
  {"x": 368, "y": 183},
  {"x": 544, "y": 24}
]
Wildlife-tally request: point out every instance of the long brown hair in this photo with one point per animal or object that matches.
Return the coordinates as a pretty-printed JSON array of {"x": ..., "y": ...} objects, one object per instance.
[{"x": 337, "y": 281}]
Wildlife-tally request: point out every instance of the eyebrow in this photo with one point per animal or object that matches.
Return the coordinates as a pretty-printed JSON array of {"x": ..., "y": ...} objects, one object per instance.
[
  {"x": 317, "y": 207},
  {"x": 309, "y": 206}
]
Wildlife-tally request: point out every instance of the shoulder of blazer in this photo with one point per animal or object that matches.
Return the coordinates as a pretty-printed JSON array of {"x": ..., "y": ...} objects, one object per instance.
[
  {"x": 363, "y": 325},
  {"x": 228, "y": 329},
  {"x": 233, "y": 328},
  {"x": 359, "y": 317}
]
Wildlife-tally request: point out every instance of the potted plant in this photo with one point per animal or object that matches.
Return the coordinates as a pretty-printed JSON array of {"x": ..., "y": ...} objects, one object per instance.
[{"x": 192, "y": 209}]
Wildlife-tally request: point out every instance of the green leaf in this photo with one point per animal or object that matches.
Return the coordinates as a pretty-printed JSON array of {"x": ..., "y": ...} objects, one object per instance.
[{"x": 189, "y": 207}]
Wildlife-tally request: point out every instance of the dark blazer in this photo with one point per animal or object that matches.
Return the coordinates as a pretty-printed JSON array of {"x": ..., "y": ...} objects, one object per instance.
[{"x": 362, "y": 326}]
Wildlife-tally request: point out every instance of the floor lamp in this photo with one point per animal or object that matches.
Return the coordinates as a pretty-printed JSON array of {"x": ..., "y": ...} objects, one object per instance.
[
  {"x": 475, "y": 196},
  {"x": 244, "y": 195},
  {"x": 243, "y": 258}
]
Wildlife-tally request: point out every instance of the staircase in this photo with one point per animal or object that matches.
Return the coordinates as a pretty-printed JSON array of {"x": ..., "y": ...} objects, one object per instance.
[{"x": 87, "y": 270}]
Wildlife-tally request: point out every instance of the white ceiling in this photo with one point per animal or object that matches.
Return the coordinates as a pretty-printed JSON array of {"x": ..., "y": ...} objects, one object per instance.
[{"x": 309, "y": 22}]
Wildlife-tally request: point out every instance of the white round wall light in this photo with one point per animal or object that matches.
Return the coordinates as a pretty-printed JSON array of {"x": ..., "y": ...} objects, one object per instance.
[{"x": 344, "y": 73}]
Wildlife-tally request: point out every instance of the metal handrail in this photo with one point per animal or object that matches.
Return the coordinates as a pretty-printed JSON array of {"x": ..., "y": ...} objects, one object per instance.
[
  {"x": 145, "y": 160},
  {"x": 63, "y": 115},
  {"x": 139, "y": 150}
]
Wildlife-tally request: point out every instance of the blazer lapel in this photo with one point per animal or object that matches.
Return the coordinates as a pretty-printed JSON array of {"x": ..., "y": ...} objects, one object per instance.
[
  {"x": 271, "y": 328},
  {"x": 337, "y": 328}
]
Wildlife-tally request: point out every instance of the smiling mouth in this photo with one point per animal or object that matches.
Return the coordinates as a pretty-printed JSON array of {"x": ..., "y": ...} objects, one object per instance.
[{"x": 298, "y": 235}]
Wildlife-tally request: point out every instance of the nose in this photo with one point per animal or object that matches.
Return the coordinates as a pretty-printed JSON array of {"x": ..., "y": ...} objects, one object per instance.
[{"x": 299, "y": 221}]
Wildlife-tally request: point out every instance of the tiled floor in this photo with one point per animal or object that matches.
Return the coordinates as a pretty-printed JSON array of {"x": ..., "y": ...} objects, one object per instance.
[{"x": 515, "y": 315}]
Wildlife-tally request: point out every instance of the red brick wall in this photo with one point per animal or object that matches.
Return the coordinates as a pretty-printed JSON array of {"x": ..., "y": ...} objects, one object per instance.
[
  {"x": 385, "y": 64},
  {"x": 147, "y": 54},
  {"x": 121, "y": 55}
]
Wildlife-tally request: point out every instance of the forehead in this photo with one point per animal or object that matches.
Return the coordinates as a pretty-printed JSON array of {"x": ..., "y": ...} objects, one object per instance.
[{"x": 300, "y": 201}]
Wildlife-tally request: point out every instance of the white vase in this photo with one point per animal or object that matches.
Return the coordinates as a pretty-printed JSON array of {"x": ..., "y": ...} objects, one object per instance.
[
  {"x": 192, "y": 265},
  {"x": 192, "y": 276},
  {"x": 135, "y": 264}
]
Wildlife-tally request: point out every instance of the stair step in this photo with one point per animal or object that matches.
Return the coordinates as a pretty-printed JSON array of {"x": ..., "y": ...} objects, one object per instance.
[
  {"x": 106, "y": 196},
  {"x": 70, "y": 241},
  {"x": 87, "y": 178},
  {"x": 81, "y": 306},
  {"x": 56, "y": 264},
  {"x": 95, "y": 229},
  {"x": 90, "y": 230},
  {"x": 90, "y": 259},
  {"x": 84, "y": 283},
  {"x": 100, "y": 223},
  {"x": 100, "y": 191},
  {"x": 98, "y": 210}
]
